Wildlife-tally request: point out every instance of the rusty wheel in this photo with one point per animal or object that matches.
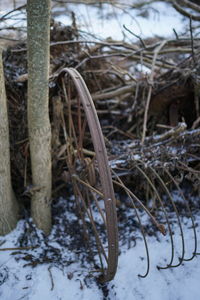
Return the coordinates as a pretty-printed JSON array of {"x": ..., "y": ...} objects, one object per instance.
[{"x": 90, "y": 174}]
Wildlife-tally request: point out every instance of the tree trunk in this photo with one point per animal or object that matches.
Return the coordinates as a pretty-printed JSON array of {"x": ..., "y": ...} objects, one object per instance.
[
  {"x": 38, "y": 15},
  {"x": 8, "y": 204}
]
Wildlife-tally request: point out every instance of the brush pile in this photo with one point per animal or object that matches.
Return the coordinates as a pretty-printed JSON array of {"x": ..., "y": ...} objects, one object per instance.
[{"x": 146, "y": 96}]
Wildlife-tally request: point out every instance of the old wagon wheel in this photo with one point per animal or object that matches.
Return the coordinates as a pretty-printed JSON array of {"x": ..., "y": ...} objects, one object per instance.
[{"x": 90, "y": 174}]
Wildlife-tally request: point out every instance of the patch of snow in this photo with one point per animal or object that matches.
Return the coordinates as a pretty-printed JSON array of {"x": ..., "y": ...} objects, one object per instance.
[
  {"x": 136, "y": 157},
  {"x": 109, "y": 22},
  {"x": 155, "y": 19},
  {"x": 114, "y": 163},
  {"x": 72, "y": 282}
]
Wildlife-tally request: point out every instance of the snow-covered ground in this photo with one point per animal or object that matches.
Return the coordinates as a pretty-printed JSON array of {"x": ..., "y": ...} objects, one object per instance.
[
  {"x": 156, "y": 19},
  {"x": 72, "y": 281}
]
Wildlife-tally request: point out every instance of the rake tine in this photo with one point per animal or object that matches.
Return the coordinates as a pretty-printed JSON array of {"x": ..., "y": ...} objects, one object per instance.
[
  {"x": 81, "y": 127},
  {"x": 97, "y": 237},
  {"x": 92, "y": 190},
  {"x": 90, "y": 216},
  {"x": 99, "y": 208},
  {"x": 165, "y": 213},
  {"x": 190, "y": 214},
  {"x": 87, "y": 233},
  {"x": 80, "y": 212},
  {"x": 159, "y": 226},
  {"x": 177, "y": 215},
  {"x": 72, "y": 131},
  {"x": 131, "y": 196}
]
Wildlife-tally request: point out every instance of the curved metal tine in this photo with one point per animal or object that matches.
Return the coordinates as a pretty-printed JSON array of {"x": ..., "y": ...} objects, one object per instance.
[
  {"x": 187, "y": 168},
  {"x": 98, "y": 242},
  {"x": 92, "y": 171},
  {"x": 62, "y": 114},
  {"x": 166, "y": 217},
  {"x": 190, "y": 214},
  {"x": 130, "y": 194},
  {"x": 99, "y": 208},
  {"x": 90, "y": 216},
  {"x": 159, "y": 226},
  {"x": 71, "y": 135},
  {"x": 81, "y": 129},
  {"x": 93, "y": 190},
  {"x": 68, "y": 102},
  {"x": 101, "y": 250},
  {"x": 177, "y": 215},
  {"x": 72, "y": 131},
  {"x": 87, "y": 185},
  {"x": 80, "y": 212},
  {"x": 195, "y": 172}
]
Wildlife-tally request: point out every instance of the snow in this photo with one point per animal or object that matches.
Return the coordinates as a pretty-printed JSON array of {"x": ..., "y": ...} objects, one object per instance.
[
  {"x": 167, "y": 284},
  {"x": 72, "y": 282},
  {"x": 109, "y": 21},
  {"x": 157, "y": 15}
]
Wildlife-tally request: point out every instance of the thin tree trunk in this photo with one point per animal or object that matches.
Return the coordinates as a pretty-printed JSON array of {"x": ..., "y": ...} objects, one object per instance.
[
  {"x": 38, "y": 15},
  {"x": 8, "y": 204}
]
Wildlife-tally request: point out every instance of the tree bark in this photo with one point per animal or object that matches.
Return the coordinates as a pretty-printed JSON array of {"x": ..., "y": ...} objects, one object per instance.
[
  {"x": 38, "y": 15},
  {"x": 8, "y": 204}
]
